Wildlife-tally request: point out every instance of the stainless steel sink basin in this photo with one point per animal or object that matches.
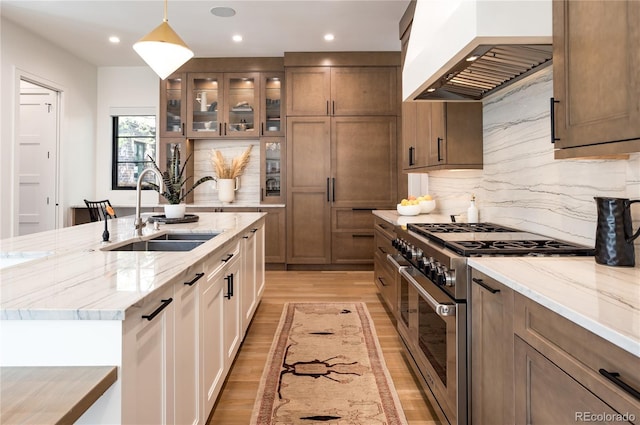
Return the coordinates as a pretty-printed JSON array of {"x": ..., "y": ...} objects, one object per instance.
[
  {"x": 186, "y": 236},
  {"x": 160, "y": 245}
]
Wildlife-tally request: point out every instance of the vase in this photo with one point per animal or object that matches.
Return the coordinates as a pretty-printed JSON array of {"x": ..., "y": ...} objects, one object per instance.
[
  {"x": 226, "y": 189},
  {"x": 174, "y": 210}
]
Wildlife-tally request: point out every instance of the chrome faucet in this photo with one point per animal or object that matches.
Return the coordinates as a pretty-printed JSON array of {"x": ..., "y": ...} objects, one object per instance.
[{"x": 139, "y": 224}]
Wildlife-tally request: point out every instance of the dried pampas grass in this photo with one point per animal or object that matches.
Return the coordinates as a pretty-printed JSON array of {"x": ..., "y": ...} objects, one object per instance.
[{"x": 233, "y": 170}]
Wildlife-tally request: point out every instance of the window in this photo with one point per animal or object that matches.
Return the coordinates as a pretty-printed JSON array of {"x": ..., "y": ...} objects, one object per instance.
[{"x": 134, "y": 141}]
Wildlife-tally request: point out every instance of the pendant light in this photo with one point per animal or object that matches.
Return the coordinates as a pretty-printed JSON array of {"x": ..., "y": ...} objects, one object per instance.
[{"x": 162, "y": 49}]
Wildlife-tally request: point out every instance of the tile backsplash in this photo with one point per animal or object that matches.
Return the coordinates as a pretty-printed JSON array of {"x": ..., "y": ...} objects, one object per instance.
[{"x": 521, "y": 184}]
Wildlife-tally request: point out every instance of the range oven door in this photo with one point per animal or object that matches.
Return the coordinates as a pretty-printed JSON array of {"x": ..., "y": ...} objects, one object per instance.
[{"x": 432, "y": 326}]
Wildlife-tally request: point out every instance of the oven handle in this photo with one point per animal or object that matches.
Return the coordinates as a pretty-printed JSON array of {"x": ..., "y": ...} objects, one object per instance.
[
  {"x": 393, "y": 261},
  {"x": 442, "y": 310}
]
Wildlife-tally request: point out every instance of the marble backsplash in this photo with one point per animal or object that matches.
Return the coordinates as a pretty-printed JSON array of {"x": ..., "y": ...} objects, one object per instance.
[
  {"x": 249, "y": 188},
  {"x": 521, "y": 184}
]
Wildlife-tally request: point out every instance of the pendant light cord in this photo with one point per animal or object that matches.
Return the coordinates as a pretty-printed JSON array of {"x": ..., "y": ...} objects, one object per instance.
[{"x": 165, "y": 11}]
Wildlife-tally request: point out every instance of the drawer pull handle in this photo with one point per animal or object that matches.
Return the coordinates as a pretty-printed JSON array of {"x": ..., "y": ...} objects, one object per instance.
[
  {"x": 382, "y": 281},
  {"x": 615, "y": 378},
  {"x": 553, "y": 119},
  {"x": 195, "y": 279},
  {"x": 355, "y": 235},
  {"x": 485, "y": 286},
  {"x": 229, "y": 257},
  {"x": 157, "y": 311},
  {"x": 229, "y": 280},
  {"x": 382, "y": 250}
]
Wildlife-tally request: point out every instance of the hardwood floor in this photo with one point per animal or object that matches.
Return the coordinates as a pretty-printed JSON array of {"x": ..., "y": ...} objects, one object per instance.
[{"x": 235, "y": 403}]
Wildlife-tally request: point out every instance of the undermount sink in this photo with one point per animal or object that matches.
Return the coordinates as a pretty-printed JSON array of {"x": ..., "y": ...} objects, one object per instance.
[
  {"x": 179, "y": 242},
  {"x": 185, "y": 236}
]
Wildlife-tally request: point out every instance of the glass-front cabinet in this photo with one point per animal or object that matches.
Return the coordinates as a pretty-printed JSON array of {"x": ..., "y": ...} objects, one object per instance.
[
  {"x": 204, "y": 109},
  {"x": 242, "y": 100},
  {"x": 271, "y": 121},
  {"x": 173, "y": 108},
  {"x": 223, "y": 105},
  {"x": 272, "y": 170}
]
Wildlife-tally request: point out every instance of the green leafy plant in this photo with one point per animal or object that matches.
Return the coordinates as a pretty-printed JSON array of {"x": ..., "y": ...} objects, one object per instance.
[{"x": 175, "y": 182}]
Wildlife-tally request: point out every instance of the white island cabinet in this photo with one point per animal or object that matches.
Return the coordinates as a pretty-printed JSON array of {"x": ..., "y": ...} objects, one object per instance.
[{"x": 170, "y": 321}]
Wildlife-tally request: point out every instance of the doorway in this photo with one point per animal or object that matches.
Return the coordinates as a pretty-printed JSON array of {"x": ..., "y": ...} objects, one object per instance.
[{"x": 36, "y": 158}]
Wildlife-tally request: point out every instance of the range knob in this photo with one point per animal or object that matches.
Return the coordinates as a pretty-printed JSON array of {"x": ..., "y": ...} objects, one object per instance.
[
  {"x": 449, "y": 278},
  {"x": 433, "y": 271},
  {"x": 396, "y": 243},
  {"x": 440, "y": 276}
]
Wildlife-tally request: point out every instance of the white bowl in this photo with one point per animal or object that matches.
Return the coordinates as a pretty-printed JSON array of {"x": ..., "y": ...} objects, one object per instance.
[
  {"x": 427, "y": 206},
  {"x": 408, "y": 209}
]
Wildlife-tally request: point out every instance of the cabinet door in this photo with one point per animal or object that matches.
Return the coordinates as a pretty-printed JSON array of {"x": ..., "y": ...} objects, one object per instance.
[
  {"x": 260, "y": 260},
  {"x": 212, "y": 360},
  {"x": 248, "y": 292},
  {"x": 363, "y": 91},
  {"x": 272, "y": 104},
  {"x": 363, "y": 161},
  {"x": 308, "y": 90},
  {"x": 204, "y": 105},
  {"x": 274, "y": 235},
  {"x": 148, "y": 347},
  {"x": 242, "y": 105},
  {"x": 233, "y": 278},
  {"x": 592, "y": 106},
  {"x": 308, "y": 190},
  {"x": 545, "y": 394},
  {"x": 491, "y": 351},
  {"x": 436, "y": 142},
  {"x": 272, "y": 170},
  {"x": 188, "y": 409},
  {"x": 173, "y": 107}
]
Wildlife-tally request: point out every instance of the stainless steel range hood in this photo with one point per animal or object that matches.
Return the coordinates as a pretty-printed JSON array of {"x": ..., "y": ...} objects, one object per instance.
[{"x": 466, "y": 49}]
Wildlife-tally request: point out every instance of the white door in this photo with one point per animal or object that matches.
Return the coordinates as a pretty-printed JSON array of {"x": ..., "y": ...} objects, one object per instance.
[{"x": 37, "y": 159}]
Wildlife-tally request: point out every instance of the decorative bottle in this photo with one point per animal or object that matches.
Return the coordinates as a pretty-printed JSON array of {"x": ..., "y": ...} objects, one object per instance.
[{"x": 472, "y": 211}]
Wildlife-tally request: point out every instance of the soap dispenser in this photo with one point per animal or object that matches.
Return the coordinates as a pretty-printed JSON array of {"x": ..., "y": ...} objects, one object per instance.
[{"x": 472, "y": 211}]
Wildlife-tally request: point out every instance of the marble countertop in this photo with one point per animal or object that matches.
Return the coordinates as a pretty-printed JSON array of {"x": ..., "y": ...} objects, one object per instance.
[
  {"x": 65, "y": 274},
  {"x": 199, "y": 205},
  {"x": 602, "y": 299},
  {"x": 396, "y": 219}
]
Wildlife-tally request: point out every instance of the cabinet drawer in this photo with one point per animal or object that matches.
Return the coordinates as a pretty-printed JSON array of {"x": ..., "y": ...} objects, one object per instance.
[
  {"x": 352, "y": 219},
  {"x": 352, "y": 247},
  {"x": 383, "y": 245},
  {"x": 384, "y": 277},
  {"x": 580, "y": 353},
  {"x": 385, "y": 228}
]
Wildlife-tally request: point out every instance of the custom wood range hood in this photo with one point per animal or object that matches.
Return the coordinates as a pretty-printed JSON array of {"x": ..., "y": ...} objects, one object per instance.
[{"x": 463, "y": 50}]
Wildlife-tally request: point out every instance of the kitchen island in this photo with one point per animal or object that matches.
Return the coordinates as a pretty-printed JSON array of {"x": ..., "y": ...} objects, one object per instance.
[{"x": 76, "y": 302}]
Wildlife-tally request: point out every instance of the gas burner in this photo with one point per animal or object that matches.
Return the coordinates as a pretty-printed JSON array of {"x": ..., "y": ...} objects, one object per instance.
[
  {"x": 459, "y": 227},
  {"x": 541, "y": 247}
]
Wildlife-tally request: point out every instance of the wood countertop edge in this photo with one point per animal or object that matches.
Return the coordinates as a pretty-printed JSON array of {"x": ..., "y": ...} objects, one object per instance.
[{"x": 46, "y": 392}]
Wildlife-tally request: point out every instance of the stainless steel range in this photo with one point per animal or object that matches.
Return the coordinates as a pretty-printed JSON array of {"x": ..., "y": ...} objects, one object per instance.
[{"x": 432, "y": 297}]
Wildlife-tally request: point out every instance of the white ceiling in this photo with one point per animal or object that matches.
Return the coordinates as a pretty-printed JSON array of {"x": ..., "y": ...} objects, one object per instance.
[{"x": 269, "y": 28}]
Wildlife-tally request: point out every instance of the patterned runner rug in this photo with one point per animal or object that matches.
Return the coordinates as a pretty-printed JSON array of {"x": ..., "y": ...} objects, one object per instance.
[{"x": 326, "y": 367}]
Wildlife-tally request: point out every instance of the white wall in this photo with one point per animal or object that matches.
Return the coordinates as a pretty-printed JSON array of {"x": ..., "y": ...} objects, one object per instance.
[
  {"x": 23, "y": 52},
  {"x": 521, "y": 184},
  {"x": 121, "y": 90}
]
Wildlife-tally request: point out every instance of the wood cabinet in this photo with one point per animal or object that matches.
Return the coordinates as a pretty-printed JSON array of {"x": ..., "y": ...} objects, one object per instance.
[
  {"x": 274, "y": 235},
  {"x": 272, "y": 104},
  {"x": 223, "y": 105},
  {"x": 563, "y": 370},
  {"x": 384, "y": 275},
  {"x": 272, "y": 170},
  {"x": 439, "y": 135},
  {"x": 173, "y": 106},
  {"x": 491, "y": 363},
  {"x": 338, "y": 167},
  {"x": 148, "y": 388},
  {"x": 596, "y": 114},
  {"x": 352, "y": 90}
]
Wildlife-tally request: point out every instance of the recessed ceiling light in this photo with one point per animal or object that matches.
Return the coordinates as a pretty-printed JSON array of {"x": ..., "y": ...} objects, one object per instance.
[
  {"x": 113, "y": 39},
  {"x": 329, "y": 37},
  {"x": 237, "y": 38},
  {"x": 223, "y": 12}
]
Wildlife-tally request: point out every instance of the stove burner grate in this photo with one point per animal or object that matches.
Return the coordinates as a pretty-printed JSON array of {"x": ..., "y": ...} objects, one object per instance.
[{"x": 518, "y": 247}]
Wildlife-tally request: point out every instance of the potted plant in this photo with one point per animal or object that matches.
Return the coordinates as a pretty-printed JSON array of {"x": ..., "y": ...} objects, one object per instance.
[{"x": 175, "y": 184}]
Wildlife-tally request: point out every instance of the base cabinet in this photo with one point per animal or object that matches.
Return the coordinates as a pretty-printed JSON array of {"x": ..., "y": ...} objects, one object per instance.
[
  {"x": 491, "y": 329},
  {"x": 384, "y": 274}
]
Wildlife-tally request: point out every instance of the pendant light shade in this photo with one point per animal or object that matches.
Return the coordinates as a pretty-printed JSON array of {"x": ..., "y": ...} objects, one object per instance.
[{"x": 162, "y": 49}]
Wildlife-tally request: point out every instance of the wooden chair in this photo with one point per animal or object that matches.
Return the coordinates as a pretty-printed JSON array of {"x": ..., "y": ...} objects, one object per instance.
[{"x": 98, "y": 209}]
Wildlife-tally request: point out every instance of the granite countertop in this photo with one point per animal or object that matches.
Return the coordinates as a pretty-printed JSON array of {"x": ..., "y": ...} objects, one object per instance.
[
  {"x": 64, "y": 274},
  {"x": 602, "y": 299}
]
